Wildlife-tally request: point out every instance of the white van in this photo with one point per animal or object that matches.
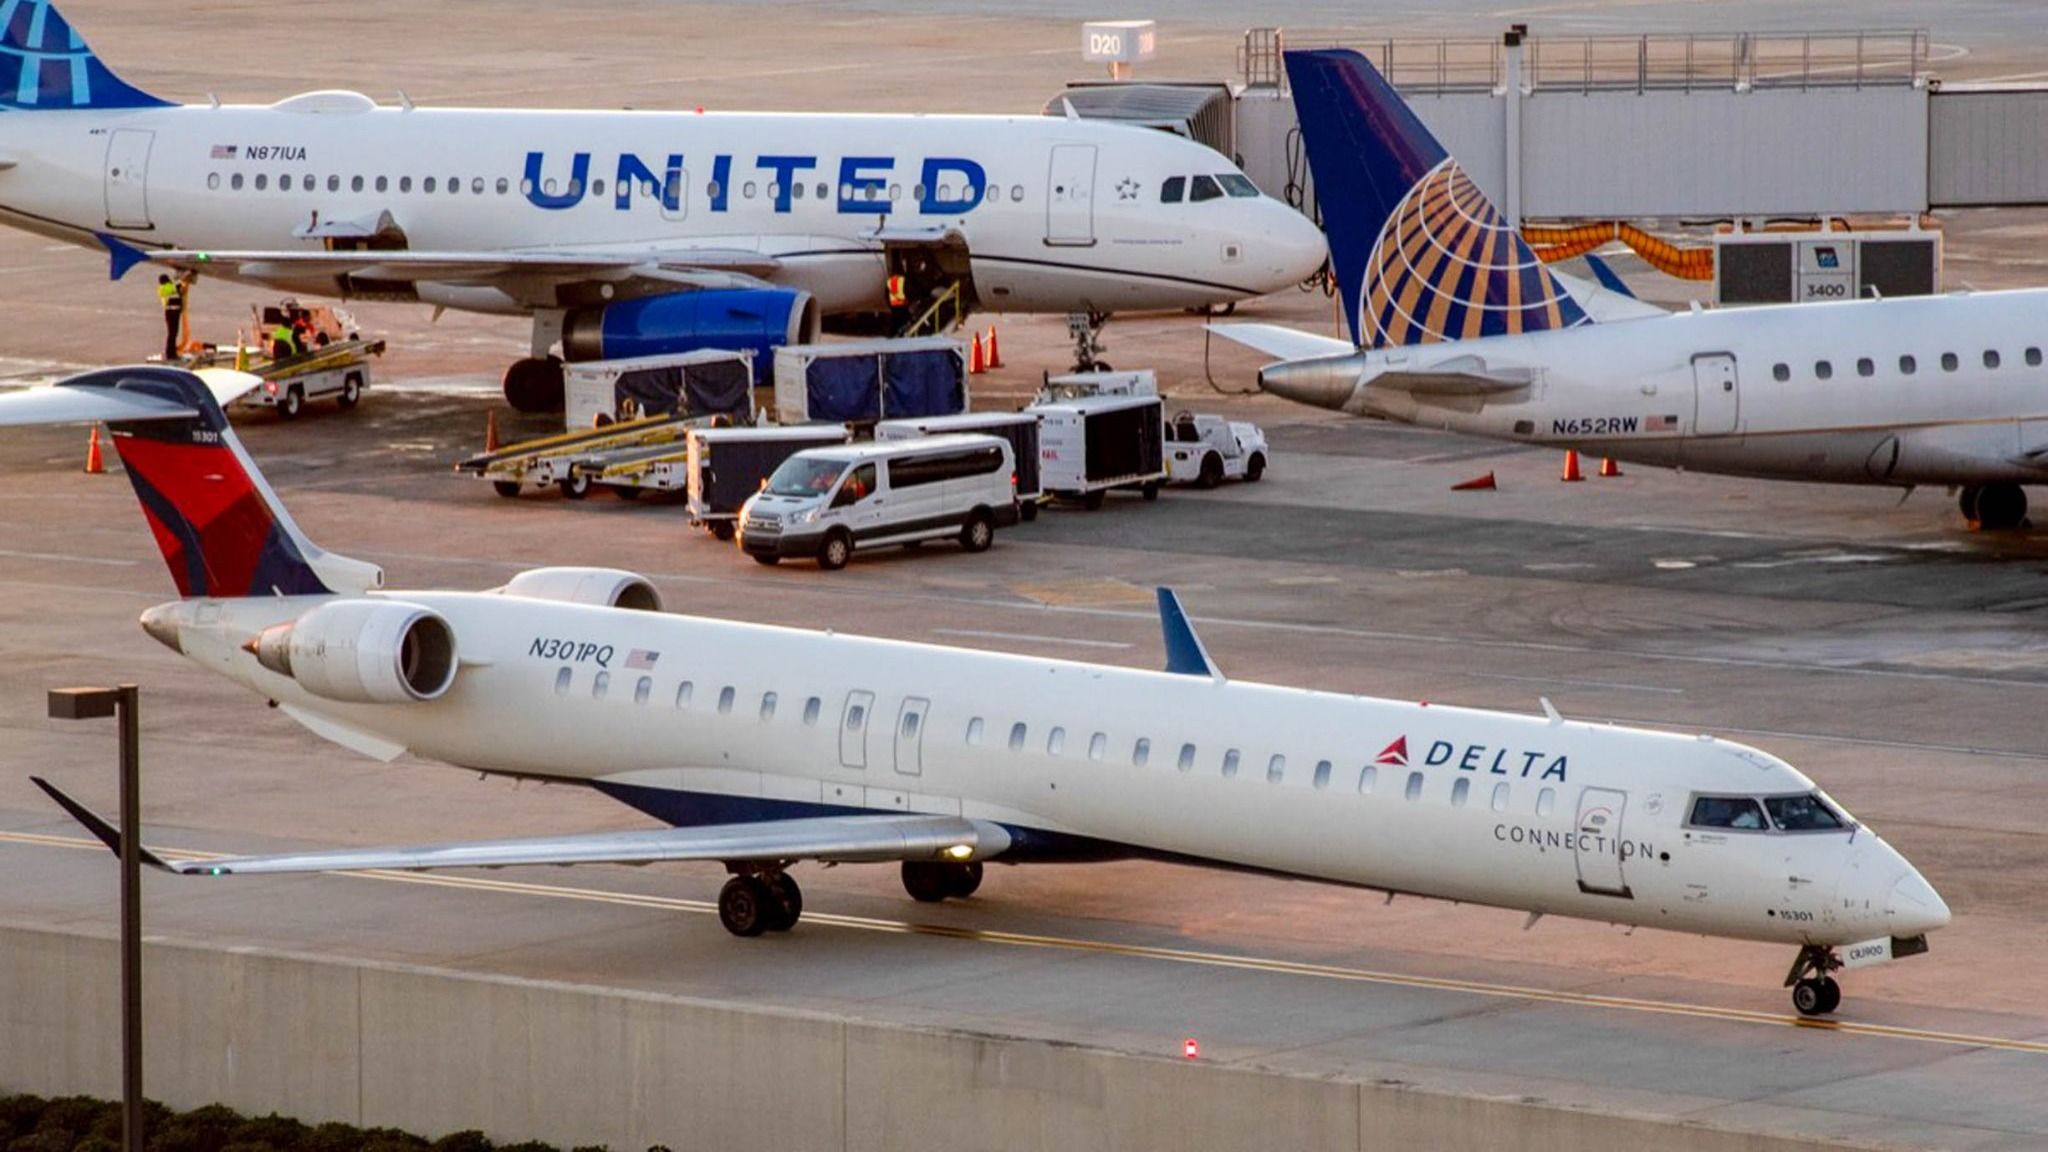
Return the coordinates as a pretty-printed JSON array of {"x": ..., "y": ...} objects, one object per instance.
[{"x": 825, "y": 502}]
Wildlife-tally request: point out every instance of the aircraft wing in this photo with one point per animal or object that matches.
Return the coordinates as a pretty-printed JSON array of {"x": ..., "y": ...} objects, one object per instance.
[
  {"x": 1282, "y": 342},
  {"x": 1457, "y": 376},
  {"x": 409, "y": 265},
  {"x": 834, "y": 839}
]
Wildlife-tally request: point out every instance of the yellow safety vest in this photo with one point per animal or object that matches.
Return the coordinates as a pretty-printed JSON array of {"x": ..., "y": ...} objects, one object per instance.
[
  {"x": 897, "y": 299},
  {"x": 167, "y": 295},
  {"x": 282, "y": 334}
]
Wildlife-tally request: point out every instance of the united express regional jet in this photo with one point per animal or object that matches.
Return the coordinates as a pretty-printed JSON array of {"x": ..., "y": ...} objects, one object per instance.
[
  {"x": 1455, "y": 324},
  {"x": 629, "y": 233},
  {"x": 764, "y": 746}
]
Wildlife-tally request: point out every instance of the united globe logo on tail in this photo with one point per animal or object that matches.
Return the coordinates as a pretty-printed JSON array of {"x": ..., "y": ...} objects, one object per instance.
[{"x": 1420, "y": 253}]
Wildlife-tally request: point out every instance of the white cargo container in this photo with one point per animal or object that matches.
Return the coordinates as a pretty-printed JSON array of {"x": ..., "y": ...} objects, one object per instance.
[
  {"x": 1088, "y": 445},
  {"x": 707, "y": 382}
]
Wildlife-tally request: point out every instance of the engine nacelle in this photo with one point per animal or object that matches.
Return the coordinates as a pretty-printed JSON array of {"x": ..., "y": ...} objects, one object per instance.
[
  {"x": 364, "y": 652},
  {"x": 599, "y": 587},
  {"x": 757, "y": 319}
]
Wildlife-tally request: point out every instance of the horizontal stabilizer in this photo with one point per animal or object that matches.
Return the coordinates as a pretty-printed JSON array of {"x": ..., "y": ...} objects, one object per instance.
[
  {"x": 67, "y": 404},
  {"x": 94, "y": 823},
  {"x": 1457, "y": 376},
  {"x": 1604, "y": 304},
  {"x": 1281, "y": 342},
  {"x": 1185, "y": 653}
]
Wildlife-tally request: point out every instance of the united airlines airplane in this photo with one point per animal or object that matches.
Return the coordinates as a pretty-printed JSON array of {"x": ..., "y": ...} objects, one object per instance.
[
  {"x": 1455, "y": 324},
  {"x": 763, "y": 746},
  {"x": 629, "y": 233}
]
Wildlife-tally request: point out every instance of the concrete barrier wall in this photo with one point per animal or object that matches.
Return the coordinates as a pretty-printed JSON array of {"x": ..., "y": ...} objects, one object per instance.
[{"x": 435, "y": 1052}]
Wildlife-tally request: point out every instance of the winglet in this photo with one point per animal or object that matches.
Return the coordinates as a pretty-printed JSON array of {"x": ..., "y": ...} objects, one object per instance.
[
  {"x": 121, "y": 255},
  {"x": 1185, "y": 655},
  {"x": 107, "y": 833}
]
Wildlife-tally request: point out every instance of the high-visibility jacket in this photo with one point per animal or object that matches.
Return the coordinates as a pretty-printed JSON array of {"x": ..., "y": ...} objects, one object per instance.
[
  {"x": 282, "y": 334},
  {"x": 167, "y": 295},
  {"x": 897, "y": 299}
]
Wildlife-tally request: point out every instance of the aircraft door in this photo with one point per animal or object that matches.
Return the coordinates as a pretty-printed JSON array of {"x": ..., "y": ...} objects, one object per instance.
[
  {"x": 1715, "y": 396},
  {"x": 910, "y": 736},
  {"x": 127, "y": 178},
  {"x": 1070, "y": 196},
  {"x": 1598, "y": 843},
  {"x": 853, "y": 729}
]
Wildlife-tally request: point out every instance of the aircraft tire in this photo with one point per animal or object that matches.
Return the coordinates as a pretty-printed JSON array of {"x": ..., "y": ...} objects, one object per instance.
[
  {"x": 926, "y": 881},
  {"x": 1816, "y": 996},
  {"x": 2001, "y": 507},
  {"x": 962, "y": 880},
  {"x": 785, "y": 900},
  {"x": 744, "y": 906}
]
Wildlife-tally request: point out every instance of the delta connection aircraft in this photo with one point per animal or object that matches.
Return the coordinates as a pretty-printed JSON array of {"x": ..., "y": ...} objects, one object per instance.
[
  {"x": 1455, "y": 324},
  {"x": 628, "y": 233},
  {"x": 764, "y": 746}
]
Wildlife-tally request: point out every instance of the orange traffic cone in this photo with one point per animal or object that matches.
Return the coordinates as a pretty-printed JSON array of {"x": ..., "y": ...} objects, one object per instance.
[
  {"x": 491, "y": 432},
  {"x": 1571, "y": 466},
  {"x": 93, "y": 464},
  {"x": 976, "y": 364},
  {"x": 1476, "y": 484},
  {"x": 1608, "y": 467},
  {"x": 995, "y": 355}
]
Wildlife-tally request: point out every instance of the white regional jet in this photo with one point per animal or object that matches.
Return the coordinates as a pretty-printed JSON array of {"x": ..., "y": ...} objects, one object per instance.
[
  {"x": 763, "y": 746},
  {"x": 628, "y": 233},
  {"x": 1457, "y": 325}
]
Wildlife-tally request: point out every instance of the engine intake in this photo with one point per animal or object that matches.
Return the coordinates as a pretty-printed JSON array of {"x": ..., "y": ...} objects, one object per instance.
[
  {"x": 738, "y": 318},
  {"x": 363, "y": 652},
  {"x": 598, "y": 587}
]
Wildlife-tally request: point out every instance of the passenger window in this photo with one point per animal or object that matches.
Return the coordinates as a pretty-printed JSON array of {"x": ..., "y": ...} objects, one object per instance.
[
  {"x": 1187, "y": 757},
  {"x": 917, "y": 191},
  {"x": 774, "y": 190},
  {"x": 1055, "y": 740},
  {"x": 383, "y": 183},
  {"x": 1367, "y": 777},
  {"x": 895, "y": 191},
  {"x": 476, "y": 185},
  {"x": 725, "y": 699},
  {"x": 1781, "y": 372},
  {"x": 1991, "y": 358},
  {"x": 428, "y": 185},
  {"x": 262, "y": 181},
  {"x": 1174, "y": 188},
  {"x": 1204, "y": 188},
  {"x": 1948, "y": 361},
  {"x": 504, "y": 185},
  {"x": 1017, "y": 737},
  {"x": 1097, "y": 745},
  {"x": 1908, "y": 365},
  {"x": 767, "y": 706},
  {"x": 334, "y": 183},
  {"x": 1414, "y": 789},
  {"x": 856, "y": 716},
  {"x": 1808, "y": 813},
  {"x": 562, "y": 679},
  {"x": 307, "y": 183},
  {"x": 1823, "y": 370},
  {"x": 355, "y": 184},
  {"x": 1275, "y": 769},
  {"x": 643, "y": 689},
  {"x": 1322, "y": 776},
  {"x": 974, "y": 729},
  {"x": 454, "y": 185},
  {"x": 909, "y": 726},
  {"x": 2033, "y": 354},
  {"x": 1460, "y": 791},
  {"x": 600, "y": 685},
  {"x": 235, "y": 182},
  {"x": 1546, "y": 801},
  {"x": 1739, "y": 812},
  {"x": 1500, "y": 796},
  {"x": 1017, "y": 193},
  {"x": 405, "y": 183},
  {"x": 711, "y": 190},
  {"x": 747, "y": 189},
  {"x": 683, "y": 692},
  {"x": 1230, "y": 759},
  {"x": 1864, "y": 367},
  {"x": 797, "y": 190},
  {"x": 811, "y": 708},
  {"x": 857, "y": 487},
  {"x": 213, "y": 181},
  {"x": 1141, "y": 752}
]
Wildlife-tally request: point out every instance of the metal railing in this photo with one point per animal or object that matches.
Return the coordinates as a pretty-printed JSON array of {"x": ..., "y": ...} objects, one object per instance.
[
  {"x": 947, "y": 310},
  {"x": 1662, "y": 62}
]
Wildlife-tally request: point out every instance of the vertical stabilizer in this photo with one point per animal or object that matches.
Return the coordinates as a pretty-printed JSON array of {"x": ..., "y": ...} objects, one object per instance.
[{"x": 45, "y": 65}]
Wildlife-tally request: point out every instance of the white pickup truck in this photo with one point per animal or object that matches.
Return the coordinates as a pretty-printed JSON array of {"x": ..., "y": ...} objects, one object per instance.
[{"x": 1206, "y": 450}]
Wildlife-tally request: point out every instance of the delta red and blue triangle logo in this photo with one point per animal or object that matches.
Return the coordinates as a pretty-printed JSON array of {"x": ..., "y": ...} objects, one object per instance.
[{"x": 1395, "y": 753}]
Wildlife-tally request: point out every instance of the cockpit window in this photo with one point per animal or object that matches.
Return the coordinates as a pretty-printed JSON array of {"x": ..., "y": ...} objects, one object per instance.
[
  {"x": 1727, "y": 812},
  {"x": 1808, "y": 813},
  {"x": 1170, "y": 192},
  {"x": 1204, "y": 188},
  {"x": 1237, "y": 184}
]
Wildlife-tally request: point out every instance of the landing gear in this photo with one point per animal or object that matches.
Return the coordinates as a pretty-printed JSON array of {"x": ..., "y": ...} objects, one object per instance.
[
  {"x": 1086, "y": 330},
  {"x": 930, "y": 881},
  {"x": 534, "y": 384},
  {"x": 1994, "y": 507},
  {"x": 753, "y": 903},
  {"x": 1814, "y": 991}
]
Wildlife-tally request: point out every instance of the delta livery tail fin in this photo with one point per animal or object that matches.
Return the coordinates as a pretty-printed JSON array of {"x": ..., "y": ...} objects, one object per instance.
[
  {"x": 221, "y": 529},
  {"x": 46, "y": 66},
  {"x": 1421, "y": 256}
]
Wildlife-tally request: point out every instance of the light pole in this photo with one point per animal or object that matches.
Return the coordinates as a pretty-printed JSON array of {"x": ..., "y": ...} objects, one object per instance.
[{"x": 94, "y": 704}]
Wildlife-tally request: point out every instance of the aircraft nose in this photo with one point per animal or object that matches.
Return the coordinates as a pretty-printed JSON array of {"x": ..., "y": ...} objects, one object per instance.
[
  {"x": 1915, "y": 907},
  {"x": 1298, "y": 245}
]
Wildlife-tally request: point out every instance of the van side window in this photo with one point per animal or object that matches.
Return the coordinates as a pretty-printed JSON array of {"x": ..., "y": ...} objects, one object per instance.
[
  {"x": 911, "y": 471},
  {"x": 1171, "y": 191},
  {"x": 859, "y": 484}
]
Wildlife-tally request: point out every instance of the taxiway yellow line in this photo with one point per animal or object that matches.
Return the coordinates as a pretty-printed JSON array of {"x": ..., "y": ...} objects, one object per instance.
[{"x": 1271, "y": 965}]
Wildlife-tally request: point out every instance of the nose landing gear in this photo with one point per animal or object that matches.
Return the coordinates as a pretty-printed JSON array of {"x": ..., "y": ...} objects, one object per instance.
[
  {"x": 1086, "y": 330},
  {"x": 1814, "y": 991}
]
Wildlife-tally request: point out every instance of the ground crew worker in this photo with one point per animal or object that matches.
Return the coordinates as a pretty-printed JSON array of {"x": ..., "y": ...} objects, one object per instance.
[
  {"x": 172, "y": 297},
  {"x": 282, "y": 341}
]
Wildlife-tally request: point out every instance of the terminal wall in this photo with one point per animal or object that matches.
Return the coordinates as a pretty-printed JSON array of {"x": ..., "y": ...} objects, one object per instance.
[{"x": 435, "y": 1052}]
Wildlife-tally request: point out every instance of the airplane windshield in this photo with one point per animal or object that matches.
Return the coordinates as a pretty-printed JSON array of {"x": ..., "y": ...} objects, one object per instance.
[
  {"x": 1727, "y": 812},
  {"x": 801, "y": 477},
  {"x": 1808, "y": 813},
  {"x": 1239, "y": 185}
]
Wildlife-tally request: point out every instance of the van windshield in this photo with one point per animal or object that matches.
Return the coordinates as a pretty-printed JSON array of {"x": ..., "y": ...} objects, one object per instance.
[{"x": 801, "y": 477}]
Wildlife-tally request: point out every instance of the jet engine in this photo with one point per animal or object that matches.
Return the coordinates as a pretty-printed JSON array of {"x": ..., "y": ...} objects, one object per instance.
[
  {"x": 363, "y": 652},
  {"x": 599, "y": 587}
]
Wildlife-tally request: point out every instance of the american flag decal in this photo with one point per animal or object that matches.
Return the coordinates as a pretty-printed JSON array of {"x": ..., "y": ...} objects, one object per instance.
[
  {"x": 223, "y": 151},
  {"x": 1660, "y": 424},
  {"x": 642, "y": 659}
]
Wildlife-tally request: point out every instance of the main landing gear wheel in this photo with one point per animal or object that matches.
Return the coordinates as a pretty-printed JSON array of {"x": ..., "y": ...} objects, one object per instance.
[
  {"x": 930, "y": 881},
  {"x": 1814, "y": 991},
  {"x": 534, "y": 384},
  {"x": 746, "y": 907},
  {"x": 786, "y": 900}
]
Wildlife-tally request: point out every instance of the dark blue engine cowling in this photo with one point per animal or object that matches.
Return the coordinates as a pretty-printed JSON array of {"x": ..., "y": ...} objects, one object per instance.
[{"x": 757, "y": 319}]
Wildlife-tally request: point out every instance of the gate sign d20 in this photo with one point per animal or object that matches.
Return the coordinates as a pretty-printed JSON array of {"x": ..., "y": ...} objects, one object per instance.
[{"x": 1118, "y": 41}]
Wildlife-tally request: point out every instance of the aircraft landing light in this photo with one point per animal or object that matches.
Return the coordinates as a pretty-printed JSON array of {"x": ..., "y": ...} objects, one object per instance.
[{"x": 1147, "y": 952}]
